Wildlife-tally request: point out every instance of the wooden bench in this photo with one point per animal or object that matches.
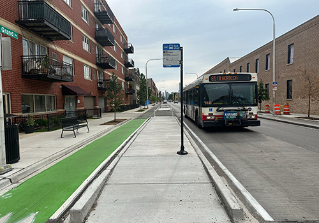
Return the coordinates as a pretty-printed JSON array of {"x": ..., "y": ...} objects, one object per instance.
[{"x": 72, "y": 124}]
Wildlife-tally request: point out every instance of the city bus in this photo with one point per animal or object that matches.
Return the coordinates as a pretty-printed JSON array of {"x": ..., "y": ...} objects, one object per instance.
[{"x": 222, "y": 99}]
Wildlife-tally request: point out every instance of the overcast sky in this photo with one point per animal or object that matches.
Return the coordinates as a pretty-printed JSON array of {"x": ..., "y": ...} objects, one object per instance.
[{"x": 208, "y": 30}]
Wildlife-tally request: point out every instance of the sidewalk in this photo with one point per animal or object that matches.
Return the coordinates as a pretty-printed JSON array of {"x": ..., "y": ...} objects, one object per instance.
[{"x": 293, "y": 118}]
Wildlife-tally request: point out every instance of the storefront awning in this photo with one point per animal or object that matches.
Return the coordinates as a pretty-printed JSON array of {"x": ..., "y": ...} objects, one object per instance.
[{"x": 74, "y": 90}]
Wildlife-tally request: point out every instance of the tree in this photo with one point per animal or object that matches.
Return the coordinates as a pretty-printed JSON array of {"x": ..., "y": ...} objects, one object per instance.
[
  {"x": 153, "y": 98},
  {"x": 310, "y": 86},
  {"x": 114, "y": 93},
  {"x": 262, "y": 92},
  {"x": 141, "y": 94}
]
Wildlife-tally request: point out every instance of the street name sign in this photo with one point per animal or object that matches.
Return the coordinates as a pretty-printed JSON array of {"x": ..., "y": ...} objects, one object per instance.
[
  {"x": 9, "y": 32},
  {"x": 171, "y": 55},
  {"x": 274, "y": 86}
]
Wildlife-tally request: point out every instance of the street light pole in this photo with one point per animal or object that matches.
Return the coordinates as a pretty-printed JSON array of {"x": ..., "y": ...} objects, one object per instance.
[
  {"x": 193, "y": 73},
  {"x": 273, "y": 52},
  {"x": 146, "y": 80}
]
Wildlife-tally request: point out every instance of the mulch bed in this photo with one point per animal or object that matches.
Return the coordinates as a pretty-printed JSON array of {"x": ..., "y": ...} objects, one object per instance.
[{"x": 114, "y": 122}]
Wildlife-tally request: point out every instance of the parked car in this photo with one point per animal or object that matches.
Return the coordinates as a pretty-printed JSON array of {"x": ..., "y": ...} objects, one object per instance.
[
  {"x": 165, "y": 102},
  {"x": 175, "y": 102}
]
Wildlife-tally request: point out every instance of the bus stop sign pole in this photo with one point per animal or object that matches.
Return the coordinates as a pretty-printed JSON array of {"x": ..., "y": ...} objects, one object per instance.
[{"x": 182, "y": 151}]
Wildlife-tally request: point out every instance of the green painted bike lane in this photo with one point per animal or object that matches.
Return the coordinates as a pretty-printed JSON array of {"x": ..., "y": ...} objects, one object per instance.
[{"x": 44, "y": 193}]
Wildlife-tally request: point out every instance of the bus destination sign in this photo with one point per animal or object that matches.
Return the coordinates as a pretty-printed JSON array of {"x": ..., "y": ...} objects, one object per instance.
[{"x": 229, "y": 77}]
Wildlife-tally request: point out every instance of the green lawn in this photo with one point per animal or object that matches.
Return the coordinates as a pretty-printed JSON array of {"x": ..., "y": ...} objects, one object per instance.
[{"x": 44, "y": 193}]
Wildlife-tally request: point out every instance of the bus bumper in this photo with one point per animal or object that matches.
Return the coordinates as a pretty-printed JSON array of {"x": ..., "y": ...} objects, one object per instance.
[{"x": 244, "y": 123}]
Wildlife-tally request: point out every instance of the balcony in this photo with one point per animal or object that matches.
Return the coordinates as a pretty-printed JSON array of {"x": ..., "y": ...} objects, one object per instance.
[
  {"x": 105, "y": 61},
  {"x": 129, "y": 76},
  {"x": 42, "y": 19},
  {"x": 103, "y": 12},
  {"x": 104, "y": 37},
  {"x": 128, "y": 48},
  {"x": 44, "y": 68},
  {"x": 102, "y": 84},
  {"x": 128, "y": 62},
  {"x": 129, "y": 91}
]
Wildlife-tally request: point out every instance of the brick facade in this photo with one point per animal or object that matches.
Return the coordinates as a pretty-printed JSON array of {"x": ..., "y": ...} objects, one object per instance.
[
  {"x": 305, "y": 40},
  {"x": 15, "y": 85}
]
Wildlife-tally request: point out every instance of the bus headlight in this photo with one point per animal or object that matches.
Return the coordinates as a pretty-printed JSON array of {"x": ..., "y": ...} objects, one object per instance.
[{"x": 210, "y": 117}]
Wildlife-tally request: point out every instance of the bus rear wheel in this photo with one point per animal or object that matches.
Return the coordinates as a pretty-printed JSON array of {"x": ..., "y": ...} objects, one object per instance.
[{"x": 197, "y": 121}]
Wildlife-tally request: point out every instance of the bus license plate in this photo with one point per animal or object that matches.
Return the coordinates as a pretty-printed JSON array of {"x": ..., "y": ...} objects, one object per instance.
[{"x": 230, "y": 115}]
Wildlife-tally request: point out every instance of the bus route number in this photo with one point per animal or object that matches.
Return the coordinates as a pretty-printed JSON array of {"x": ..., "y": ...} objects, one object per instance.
[
  {"x": 215, "y": 78},
  {"x": 229, "y": 77}
]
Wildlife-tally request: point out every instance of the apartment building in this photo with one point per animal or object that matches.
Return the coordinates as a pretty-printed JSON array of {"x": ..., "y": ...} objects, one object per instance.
[
  {"x": 297, "y": 57},
  {"x": 64, "y": 55}
]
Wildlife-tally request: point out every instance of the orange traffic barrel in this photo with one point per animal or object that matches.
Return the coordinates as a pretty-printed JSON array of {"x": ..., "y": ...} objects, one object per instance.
[
  {"x": 267, "y": 109},
  {"x": 286, "y": 109},
  {"x": 277, "y": 109}
]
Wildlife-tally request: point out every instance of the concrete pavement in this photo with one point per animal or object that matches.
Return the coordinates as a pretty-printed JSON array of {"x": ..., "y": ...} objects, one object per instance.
[{"x": 151, "y": 183}]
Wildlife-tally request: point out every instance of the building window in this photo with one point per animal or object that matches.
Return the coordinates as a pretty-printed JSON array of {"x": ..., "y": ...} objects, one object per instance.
[
  {"x": 241, "y": 69},
  {"x": 234, "y": 70},
  {"x": 54, "y": 59},
  {"x": 114, "y": 28},
  {"x": 290, "y": 53},
  {"x": 121, "y": 37},
  {"x": 115, "y": 65},
  {"x": 87, "y": 72},
  {"x": 248, "y": 67},
  {"x": 68, "y": 60},
  {"x": 267, "y": 89},
  {"x": 121, "y": 54},
  {"x": 86, "y": 43},
  {"x": 114, "y": 47},
  {"x": 268, "y": 61},
  {"x": 122, "y": 70},
  {"x": 84, "y": 14},
  {"x": 38, "y": 103},
  {"x": 257, "y": 66},
  {"x": 289, "y": 89},
  {"x": 32, "y": 49},
  {"x": 68, "y": 2}
]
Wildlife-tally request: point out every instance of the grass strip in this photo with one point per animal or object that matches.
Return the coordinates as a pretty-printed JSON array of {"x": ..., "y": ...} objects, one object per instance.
[{"x": 44, "y": 193}]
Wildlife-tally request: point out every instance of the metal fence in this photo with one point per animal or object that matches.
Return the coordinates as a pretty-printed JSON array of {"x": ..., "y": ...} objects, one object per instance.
[{"x": 49, "y": 122}]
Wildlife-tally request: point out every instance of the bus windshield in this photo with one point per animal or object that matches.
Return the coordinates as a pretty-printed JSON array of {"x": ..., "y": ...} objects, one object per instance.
[{"x": 229, "y": 94}]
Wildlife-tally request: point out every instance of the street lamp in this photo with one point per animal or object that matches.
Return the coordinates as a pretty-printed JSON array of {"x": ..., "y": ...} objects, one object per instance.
[
  {"x": 273, "y": 52},
  {"x": 146, "y": 80},
  {"x": 193, "y": 73}
]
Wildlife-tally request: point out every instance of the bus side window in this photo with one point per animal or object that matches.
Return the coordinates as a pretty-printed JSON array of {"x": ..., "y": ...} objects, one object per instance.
[{"x": 196, "y": 96}]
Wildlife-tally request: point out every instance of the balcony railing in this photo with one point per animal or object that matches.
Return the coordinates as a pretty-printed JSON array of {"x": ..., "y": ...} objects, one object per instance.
[
  {"x": 104, "y": 37},
  {"x": 42, "y": 19},
  {"x": 128, "y": 48},
  {"x": 45, "y": 68},
  {"x": 129, "y": 62},
  {"x": 129, "y": 76},
  {"x": 103, "y": 12},
  {"x": 129, "y": 91},
  {"x": 102, "y": 84},
  {"x": 105, "y": 61}
]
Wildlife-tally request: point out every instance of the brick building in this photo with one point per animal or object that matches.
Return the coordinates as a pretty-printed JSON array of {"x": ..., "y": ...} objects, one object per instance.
[
  {"x": 65, "y": 52},
  {"x": 297, "y": 53}
]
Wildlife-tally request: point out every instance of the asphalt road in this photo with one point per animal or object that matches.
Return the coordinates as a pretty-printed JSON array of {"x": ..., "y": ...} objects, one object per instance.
[{"x": 277, "y": 163}]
